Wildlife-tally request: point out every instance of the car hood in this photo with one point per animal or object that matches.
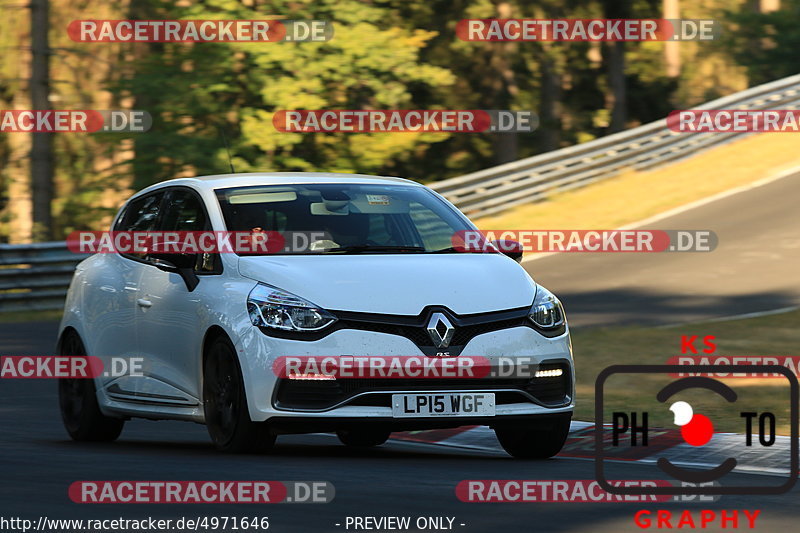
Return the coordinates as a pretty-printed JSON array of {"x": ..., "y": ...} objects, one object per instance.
[{"x": 399, "y": 283}]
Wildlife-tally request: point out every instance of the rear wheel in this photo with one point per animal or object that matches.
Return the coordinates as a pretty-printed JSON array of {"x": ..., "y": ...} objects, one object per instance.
[
  {"x": 362, "y": 438},
  {"x": 225, "y": 404},
  {"x": 77, "y": 400},
  {"x": 536, "y": 440}
]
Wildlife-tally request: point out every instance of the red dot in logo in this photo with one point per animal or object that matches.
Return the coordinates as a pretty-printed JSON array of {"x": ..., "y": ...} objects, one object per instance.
[{"x": 698, "y": 431}]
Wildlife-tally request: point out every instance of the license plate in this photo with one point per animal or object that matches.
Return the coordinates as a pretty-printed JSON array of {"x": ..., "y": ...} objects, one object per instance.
[{"x": 443, "y": 404}]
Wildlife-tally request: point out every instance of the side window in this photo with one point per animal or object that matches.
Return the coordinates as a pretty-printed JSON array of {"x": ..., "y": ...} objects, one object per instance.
[
  {"x": 183, "y": 212},
  {"x": 140, "y": 215}
]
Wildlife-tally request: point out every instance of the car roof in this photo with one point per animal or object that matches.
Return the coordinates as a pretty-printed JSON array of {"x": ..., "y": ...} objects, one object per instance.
[{"x": 274, "y": 178}]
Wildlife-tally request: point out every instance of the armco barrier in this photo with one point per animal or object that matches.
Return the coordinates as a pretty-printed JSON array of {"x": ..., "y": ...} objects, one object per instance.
[
  {"x": 496, "y": 189},
  {"x": 35, "y": 277}
]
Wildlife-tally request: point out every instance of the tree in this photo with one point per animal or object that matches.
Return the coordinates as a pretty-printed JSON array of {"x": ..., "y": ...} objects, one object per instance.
[
  {"x": 42, "y": 145},
  {"x": 195, "y": 90},
  {"x": 765, "y": 43}
]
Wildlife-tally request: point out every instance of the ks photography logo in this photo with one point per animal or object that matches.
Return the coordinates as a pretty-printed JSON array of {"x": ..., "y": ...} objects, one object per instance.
[{"x": 632, "y": 427}]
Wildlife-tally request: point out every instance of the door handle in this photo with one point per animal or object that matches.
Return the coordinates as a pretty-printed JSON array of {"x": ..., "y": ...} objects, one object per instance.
[{"x": 144, "y": 303}]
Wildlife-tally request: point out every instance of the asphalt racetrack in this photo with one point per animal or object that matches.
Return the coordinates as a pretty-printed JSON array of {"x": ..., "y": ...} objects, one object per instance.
[
  {"x": 39, "y": 463},
  {"x": 755, "y": 267}
]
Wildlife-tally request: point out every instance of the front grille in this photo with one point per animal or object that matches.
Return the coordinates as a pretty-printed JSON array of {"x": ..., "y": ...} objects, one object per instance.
[
  {"x": 324, "y": 394},
  {"x": 419, "y": 334},
  {"x": 465, "y": 334},
  {"x": 414, "y": 328}
]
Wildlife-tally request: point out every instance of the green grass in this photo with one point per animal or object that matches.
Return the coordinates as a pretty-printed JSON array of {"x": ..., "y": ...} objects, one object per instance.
[
  {"x": 31, "y": 316},
  {"x": 636, "y": 195},
  {"x": 598, "y": 348}
]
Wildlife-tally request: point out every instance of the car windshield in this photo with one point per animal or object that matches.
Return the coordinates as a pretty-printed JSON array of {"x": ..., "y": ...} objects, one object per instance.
[{"x": 346, "y": 218}]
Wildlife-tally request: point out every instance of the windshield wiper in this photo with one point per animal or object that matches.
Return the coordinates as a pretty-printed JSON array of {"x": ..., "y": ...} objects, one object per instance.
[
  {"x": 449, "y": 250},
  {"x": 366, "y": 248}
]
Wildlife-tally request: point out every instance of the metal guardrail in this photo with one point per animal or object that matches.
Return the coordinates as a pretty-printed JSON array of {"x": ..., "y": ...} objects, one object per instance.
[
  {"x": 493, "y": 190},
  {"x": 35, "y": 277}
]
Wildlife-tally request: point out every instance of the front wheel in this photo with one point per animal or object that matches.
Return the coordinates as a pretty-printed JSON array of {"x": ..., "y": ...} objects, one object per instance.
[
  {"x": 77, "y": 400},
  {"x": 535, "y": 440},
  {"x": 225, "y": 404}
]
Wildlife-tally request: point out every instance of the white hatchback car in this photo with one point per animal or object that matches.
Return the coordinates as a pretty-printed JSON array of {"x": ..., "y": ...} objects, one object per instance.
[{"x": 387, "y": 282}]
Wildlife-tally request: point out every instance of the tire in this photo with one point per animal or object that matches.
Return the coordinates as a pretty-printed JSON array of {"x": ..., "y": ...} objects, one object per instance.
[
  {"x": 77, "y": 400},
  {"x": 537, "y": 440},
  {"x": 362, "y": 438},
  {"x": 225, "y": 404}
]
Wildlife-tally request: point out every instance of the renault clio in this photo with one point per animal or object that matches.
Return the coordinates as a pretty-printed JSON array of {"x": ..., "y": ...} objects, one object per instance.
[{"x": 386, "y": 280}]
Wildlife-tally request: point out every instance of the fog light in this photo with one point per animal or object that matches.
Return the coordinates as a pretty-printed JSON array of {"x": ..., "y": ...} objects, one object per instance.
[{"x": 548, "y": 373}]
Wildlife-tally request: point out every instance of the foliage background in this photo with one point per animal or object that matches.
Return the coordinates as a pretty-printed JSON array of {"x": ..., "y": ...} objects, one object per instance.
[{"x": 384, "y": 54}]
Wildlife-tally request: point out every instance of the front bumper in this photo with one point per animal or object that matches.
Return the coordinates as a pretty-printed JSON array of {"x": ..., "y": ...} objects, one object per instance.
[
  {"x": 369, "y": 401},
  {"x": 289, "y": 424}
]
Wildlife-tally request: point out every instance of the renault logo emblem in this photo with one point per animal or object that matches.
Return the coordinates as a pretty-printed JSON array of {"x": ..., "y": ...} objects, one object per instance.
[{"x": 441, "y": 330}]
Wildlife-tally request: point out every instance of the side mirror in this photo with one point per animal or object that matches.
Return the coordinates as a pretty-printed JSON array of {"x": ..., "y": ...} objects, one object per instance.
[
  {"x": 178, "y": 260},
  {"x": 512, "y": 249},
  {"x": 186, "y": 273}
]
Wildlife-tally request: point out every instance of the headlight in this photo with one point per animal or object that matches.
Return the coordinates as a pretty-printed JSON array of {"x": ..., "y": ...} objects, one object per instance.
[
  {"x": 546, "y": 311},
  {"x": 271, "y": 307}
]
